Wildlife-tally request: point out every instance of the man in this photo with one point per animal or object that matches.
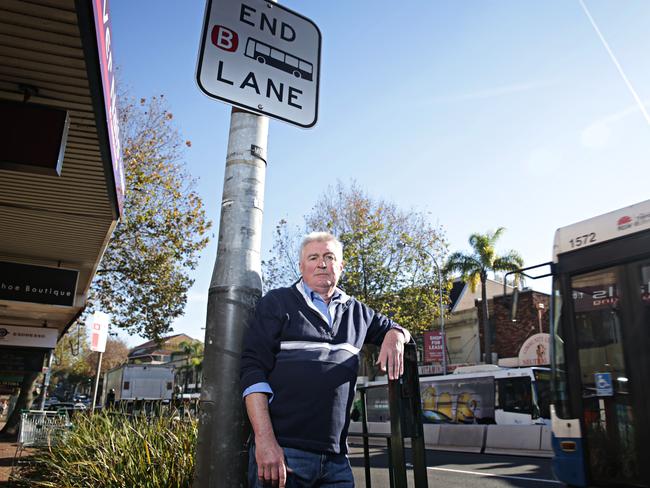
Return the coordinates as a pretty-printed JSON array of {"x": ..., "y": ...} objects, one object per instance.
[{"x": 299, "y": 367}]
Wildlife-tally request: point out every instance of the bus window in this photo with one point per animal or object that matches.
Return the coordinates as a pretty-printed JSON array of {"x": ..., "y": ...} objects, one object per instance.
[
  {"x": 275, "y": 54},
  {"x": 306, "y": 67},
  {"x": 292, "y": 61},
  {"x": 377, "y": 408},
  {"x": 263, "y": 49},
  {"x": 543, "y": 392},
  {"x": 515, "y": 394},
  {"x": 559, "y": 385}
]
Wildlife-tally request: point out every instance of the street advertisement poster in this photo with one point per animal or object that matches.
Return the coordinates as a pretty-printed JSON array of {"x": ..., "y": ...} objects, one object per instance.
[
  {"x": 433, "y": 348},
  {"x": 465, "y": 401}
]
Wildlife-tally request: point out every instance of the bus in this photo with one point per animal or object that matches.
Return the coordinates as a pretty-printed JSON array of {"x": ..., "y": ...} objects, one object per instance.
[
  {"x": 265, "y": 54},
  {"x": 600, "y": 350},
  {"x": 484, "y": 394}
]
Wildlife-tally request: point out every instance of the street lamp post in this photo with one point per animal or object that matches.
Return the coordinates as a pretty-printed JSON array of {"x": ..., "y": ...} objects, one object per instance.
[
  {"x": 442, "y": 313},
  {"x": 442, "y": 317}
]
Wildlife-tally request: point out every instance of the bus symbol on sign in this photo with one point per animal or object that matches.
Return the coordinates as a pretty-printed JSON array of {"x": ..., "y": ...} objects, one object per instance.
[
  {"x": 604, "y": 386},
  {"x": 265, "y": 54},
  {"x": 262, "y": 57}
]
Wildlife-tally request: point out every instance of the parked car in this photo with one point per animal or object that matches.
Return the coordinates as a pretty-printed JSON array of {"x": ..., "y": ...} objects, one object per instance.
[
  {"x": 435, "y": 417},
  {"x": 69, "y": 407}
]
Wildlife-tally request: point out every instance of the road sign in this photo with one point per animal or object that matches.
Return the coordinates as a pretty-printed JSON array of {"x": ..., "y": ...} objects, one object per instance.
[
  {"x": 98, "y": 326},
  {"x": 262, "y": 57},
  {"x": 604, "y": 385}
]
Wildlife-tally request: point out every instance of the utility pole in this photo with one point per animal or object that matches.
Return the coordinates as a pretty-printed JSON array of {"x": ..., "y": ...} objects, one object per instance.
[
  {"x": 442, "y": 310},
  {"x": 235, "y": 288},
  {"x": 442, "y": 318}
]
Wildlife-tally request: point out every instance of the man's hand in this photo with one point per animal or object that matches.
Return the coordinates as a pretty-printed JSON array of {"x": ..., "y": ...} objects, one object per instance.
[
  {"x": 271, "y": 468},
  {"x": 269, "y": 456},
  {"x": 391, "y": 354}
]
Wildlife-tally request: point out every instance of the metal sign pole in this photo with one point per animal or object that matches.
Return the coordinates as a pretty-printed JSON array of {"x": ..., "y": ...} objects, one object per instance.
[
  {"x": 99, "y": 367},
  {"x": 221, "y": 457},
  {"x": 396, "y": 449}
]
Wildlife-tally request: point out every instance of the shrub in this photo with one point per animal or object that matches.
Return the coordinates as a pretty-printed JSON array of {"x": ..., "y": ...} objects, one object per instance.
[{"x": 113, "y": 450}]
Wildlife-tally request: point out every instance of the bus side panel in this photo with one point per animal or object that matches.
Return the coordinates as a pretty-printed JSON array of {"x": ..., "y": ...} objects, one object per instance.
[{"x": 569, "y": 466}]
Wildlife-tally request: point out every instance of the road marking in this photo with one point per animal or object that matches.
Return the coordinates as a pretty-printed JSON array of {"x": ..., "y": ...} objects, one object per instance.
[{"x": 493, "y": 475}]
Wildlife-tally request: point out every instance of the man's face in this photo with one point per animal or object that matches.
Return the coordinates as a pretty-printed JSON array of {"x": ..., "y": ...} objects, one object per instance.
[{"x": 320, "y": 267}]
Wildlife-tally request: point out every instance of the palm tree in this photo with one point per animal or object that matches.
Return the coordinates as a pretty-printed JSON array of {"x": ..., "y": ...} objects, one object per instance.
[
  {"x": 475, "y": 267},
  {"x": 193, "y": 351}
]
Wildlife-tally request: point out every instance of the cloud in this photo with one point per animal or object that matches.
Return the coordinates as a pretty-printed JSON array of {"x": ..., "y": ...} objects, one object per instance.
[
  {"x": 598, "y": 134},
  {"x": 494, "y": 92}
]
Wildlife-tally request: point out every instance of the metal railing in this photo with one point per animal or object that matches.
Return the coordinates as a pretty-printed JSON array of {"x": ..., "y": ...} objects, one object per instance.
[{"x": 405, "y": 422}]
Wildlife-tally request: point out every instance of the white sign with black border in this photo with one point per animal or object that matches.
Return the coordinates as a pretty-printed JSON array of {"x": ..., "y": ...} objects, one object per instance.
[
  {"x": 14, "y": 335},
  {"x": 262, "y": 57}
]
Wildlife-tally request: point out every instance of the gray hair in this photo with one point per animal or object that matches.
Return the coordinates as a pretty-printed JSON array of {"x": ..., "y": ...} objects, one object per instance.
[{"x": 322, "y": 237}]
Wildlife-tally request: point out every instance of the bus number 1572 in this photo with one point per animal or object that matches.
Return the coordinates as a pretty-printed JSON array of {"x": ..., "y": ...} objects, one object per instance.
[{"x": 583, "y": 240}]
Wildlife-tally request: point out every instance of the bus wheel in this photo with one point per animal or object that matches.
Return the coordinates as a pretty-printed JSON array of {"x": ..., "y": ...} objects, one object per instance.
[
  {"x": 261, "y": 60},
  {"x": 296, "y": 74}
]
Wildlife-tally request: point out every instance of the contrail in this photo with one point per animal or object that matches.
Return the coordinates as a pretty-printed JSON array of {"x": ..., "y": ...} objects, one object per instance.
[{"x": 616, "y": 63}]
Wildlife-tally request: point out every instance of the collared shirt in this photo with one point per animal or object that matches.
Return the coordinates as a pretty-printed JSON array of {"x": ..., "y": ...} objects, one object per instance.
[{"x": 327, "y": 310}]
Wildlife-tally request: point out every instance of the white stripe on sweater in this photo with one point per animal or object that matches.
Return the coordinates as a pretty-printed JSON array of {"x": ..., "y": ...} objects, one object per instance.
[{"x": 310, "y": 346}]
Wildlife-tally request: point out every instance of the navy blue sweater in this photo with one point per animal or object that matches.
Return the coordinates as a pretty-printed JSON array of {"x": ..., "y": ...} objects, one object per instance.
[{"x": 311, "y": 368}]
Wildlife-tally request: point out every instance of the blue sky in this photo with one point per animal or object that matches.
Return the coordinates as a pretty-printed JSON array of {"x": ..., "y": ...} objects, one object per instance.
[{"x": 481, "y": 113}]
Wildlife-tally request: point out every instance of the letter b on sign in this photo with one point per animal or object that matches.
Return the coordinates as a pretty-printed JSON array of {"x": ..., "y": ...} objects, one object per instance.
[{"x": 224, "y": 38}]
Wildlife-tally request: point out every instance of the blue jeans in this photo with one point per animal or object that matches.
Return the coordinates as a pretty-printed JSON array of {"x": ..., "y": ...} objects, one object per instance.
[{"x": 310, "y": 470}]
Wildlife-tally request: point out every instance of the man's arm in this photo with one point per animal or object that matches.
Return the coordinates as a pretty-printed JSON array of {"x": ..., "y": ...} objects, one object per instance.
[
  {"x": 269, "y": 456},
  {"x": 391, "y": 354}
]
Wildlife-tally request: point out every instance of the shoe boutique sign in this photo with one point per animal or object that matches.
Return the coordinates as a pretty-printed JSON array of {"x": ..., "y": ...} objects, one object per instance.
[{"x": 37, "y": 284}]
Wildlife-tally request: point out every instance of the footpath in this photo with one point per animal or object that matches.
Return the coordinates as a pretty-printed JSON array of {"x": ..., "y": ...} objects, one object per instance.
[{"x": 7, "y": 451}]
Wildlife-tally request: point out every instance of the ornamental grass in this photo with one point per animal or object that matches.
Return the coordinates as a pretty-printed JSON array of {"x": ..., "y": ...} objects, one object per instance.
[{"x": 115, "y": 450}]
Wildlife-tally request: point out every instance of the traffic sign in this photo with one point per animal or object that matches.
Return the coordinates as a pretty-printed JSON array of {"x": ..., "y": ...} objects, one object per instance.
[
  {"x": 98, "y": 325},
  {"x": 604, "y": 385},
  {"x": 262, "y": 57}
]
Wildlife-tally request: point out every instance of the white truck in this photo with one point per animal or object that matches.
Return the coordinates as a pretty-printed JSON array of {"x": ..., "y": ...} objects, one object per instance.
[{"x": 131, "y": 382}]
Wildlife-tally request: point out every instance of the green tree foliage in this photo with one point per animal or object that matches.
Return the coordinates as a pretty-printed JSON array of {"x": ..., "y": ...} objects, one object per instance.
[
  {"x": 143, "y": 278},
  {"x": 389, "y": 254},
  {"x": 474, "y": 267}
]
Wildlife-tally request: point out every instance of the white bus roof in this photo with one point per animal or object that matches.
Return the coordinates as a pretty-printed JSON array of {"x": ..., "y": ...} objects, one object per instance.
[
  {"x": 480, "y": 368},
  {"x": 612, "y": 225},
  {"x": 481, "y": 372}
]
